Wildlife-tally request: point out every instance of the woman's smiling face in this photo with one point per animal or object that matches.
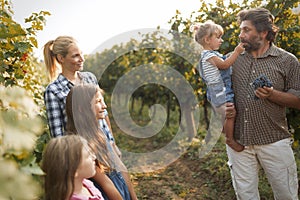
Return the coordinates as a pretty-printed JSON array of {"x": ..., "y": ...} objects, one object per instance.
[{"x": 74, "y": 60}]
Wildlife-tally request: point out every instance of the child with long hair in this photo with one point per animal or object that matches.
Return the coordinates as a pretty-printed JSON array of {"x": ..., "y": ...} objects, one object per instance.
[
  {"x": 68, "y": 162},
  {"x": 85, "y": 108},
  {"x": 215, "y": 72}
]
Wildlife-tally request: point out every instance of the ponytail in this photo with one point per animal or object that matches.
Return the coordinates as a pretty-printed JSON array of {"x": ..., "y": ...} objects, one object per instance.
[{"x": 50, "y": 60}]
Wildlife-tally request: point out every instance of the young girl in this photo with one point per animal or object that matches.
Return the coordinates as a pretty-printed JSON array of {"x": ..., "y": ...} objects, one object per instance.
[
  {"x": 67, "y": 162},
  {"x": 215, "y": 72},
  {"x": 85, "y": 108}
]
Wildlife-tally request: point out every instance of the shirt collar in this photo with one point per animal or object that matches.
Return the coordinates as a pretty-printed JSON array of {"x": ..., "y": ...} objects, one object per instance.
[
  {"x": 65, "y": 82},
  {"x": 272, "y": 51}
]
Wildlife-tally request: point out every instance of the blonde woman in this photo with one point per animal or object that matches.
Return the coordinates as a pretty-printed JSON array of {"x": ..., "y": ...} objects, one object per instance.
[{"x": 64, "y": 61}]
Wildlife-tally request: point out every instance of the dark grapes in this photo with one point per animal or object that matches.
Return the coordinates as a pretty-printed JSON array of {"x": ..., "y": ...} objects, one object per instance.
[{"x": 260, "y": 82}]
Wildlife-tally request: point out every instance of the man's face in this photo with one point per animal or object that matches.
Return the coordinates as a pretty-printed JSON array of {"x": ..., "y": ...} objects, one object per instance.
[{"x": 249, "y": 35}]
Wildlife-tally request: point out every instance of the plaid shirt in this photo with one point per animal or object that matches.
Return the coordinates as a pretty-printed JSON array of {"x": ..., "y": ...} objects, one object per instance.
[
  {"x": 55, "y": 100},
  {"x": 261, "y": 121},
  {"x": 105, "y": 129}
]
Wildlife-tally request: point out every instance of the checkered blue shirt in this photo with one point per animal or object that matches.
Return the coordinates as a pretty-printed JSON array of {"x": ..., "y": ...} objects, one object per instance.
[
  {"x": 105, "y": 129},
  {"x": 55, "y": 101}
]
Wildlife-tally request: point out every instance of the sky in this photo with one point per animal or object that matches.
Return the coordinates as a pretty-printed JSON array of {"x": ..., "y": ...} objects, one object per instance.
[{"x": 93, "y": 22}]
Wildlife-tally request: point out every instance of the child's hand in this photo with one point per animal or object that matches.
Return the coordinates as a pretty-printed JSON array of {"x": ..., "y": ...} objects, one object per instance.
[{"x": 240, "y": 48}]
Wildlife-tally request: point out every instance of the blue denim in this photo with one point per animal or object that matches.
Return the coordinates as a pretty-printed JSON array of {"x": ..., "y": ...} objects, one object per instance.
[
  {"x": 226, "y": 77},
  {"x": 120, "y": 184},
  {"x": 115, "y": 176},
  {"x": 221, "y": 92}
]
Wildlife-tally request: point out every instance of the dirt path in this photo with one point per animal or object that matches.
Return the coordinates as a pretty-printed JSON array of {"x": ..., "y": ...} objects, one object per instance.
[{"x": 188, "y": 178}]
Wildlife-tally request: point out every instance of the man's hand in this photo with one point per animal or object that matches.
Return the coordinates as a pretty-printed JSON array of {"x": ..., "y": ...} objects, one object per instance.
[
  {"x": 264, "y": 92},
  {"x": 230, "y": 111}
]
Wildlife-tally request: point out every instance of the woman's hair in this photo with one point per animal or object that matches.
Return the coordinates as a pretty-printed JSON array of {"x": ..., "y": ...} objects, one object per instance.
[
  {"x": 61, "y": 159},
  {"x": 261, "y": 19},
  {"x": 52, "y": 48},
  {"x": 82, "y": 120},
  {"x": 207, "y": 29}
]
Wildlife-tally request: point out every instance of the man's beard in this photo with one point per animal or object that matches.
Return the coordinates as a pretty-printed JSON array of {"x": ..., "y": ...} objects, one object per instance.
[{"x": 252, "y": 44}]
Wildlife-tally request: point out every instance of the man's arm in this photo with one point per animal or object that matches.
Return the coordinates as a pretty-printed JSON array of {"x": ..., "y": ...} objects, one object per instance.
[{"x": 281, "y": 98}]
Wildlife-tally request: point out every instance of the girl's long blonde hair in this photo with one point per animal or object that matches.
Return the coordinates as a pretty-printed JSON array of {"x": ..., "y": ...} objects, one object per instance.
[{"x": 82, "y": 120}]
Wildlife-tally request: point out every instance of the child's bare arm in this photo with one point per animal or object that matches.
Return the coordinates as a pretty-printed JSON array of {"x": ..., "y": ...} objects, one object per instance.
[
  {"x": 107, "y": 185},
  {"x": 225, "y": 64}
]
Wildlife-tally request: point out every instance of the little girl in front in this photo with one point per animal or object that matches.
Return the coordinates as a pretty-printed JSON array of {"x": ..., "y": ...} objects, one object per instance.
[
  {"x": 67, "y": 163},
  {"x": 216, "y": 73}
]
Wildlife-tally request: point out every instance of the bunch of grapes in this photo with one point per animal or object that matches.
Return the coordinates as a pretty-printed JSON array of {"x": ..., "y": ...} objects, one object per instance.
[{"x": 260, "y": 82}]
